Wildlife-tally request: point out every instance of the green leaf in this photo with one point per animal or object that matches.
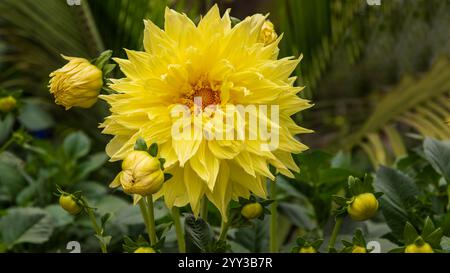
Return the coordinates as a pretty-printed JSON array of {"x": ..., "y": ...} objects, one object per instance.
[
  {"x": 438, "y": 154},
  {"x": 297, "y": 214},
  {"x": 59, "y": 216},
  {"x": 11, "y": 179},
  {"x": 428, "y": 228},
  {"x": 104, "y": 239},
  {"x": 199, "y": 236},
  {"x": 101, "y": 60},
  {"x": 341, "y": 201},
  {"x": 33, "y": 116},
  {"x": 76, "y": 145},
  {"x": 358, "y": 238},
  {"x": 167, "y": 176},
  {"x": 140, "y": 145},
  {"x": 6, "y": 126},
  {"x": 92, "y": 163},
  {"x": 410, "y": 234},
  {"x": 400, "y": 194},
  {"x": 254, "y": 238},
  {"x": 153, "y": 149},
  {"x": 162, "y": 161},
  {"x": 434, "y": 239},
  {"x": 25, "y": 225}
]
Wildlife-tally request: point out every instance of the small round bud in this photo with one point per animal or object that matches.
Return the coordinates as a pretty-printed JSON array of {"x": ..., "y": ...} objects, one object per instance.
[
  {"x": 363, "y": 207},
  {"x": 308, "y": 249},
  {"x": 7, "y": 104},
  {"x": 415, "y": 248},
  {"x": 252, "y": 210},
  {"x": 69, "y": 204},
  {"x": 359, "y": 249},
  {"x": 144, "y": 250}
]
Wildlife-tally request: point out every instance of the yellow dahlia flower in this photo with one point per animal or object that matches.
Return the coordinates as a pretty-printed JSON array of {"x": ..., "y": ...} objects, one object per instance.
[
  {"x": 77, "y": 83},
  {"x": 141, "y": 175},
  {"x": 226, "y": 67}
]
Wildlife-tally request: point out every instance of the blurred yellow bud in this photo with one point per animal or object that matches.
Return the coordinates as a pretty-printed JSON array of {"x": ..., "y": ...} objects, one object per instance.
[
  {"x": 267, "y": 34},
  {"x": 77, "y": 83},
  {"x": 69, "y": 204},
  {"x": 141, "y": 174},
  {"x": 415, "y": 248},
  {"x": 252, "y": 210},
  {"x": 144, "y": 250},
  {"x": 308, "y": 249},
  {"x": 7, "y": 104},
  {"x": 363, "y": 207},
  {"x": 359, "y": 249}
]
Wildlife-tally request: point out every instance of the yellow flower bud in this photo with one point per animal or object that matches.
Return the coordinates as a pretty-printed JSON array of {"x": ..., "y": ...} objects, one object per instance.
[
  {"x": 144, "y": 250},
  {"x": 359, "y": 249},
  {"x": 267, "y": 34},
  {"x": 308, "y": 249},
  {"x": 7, "y": 104},
  {"x": 141, "y": 174},
  {"x": 77, "y": 83},
  {"x": 363, "y": 207},
  {"x": 415, "y": 248},
  {"x": 252, "y": 210},
  {"x": 69, "y": 204}
]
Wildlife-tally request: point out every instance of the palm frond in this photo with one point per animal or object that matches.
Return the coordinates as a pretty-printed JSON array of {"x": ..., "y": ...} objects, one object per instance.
[{"x": 419, "y": 104}]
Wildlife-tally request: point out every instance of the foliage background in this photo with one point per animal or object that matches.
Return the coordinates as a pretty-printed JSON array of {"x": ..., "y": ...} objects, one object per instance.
[{"x": 378, "y": 76}]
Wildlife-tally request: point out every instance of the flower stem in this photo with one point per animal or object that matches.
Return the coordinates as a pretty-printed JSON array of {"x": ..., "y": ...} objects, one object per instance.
[
  {"x": 334, "y": 234},
  {"x": 273, "y": 219},
  {"x": 204, "y": 211},
  {"x": 144, "y": 213},
  {"x": 223, "y": 231},
  {"x": 97, "y": 229},
  {"x": 178, "y": 230},
  {"x": 151, "y": 219}
]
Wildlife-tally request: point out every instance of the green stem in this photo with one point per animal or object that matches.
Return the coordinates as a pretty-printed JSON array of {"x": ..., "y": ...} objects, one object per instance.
[
  {"x": 223, "y": 231},
  {"x": 151, "y": 219},
  {"x": 204, "y": 211},
  {"x": 178, "y": 230},
  {"x": 334, "y": 234},
  {"x": 97, "y": 229},
  {"x": 273, "y": 219},
  {"x": 144, "y": 214}
]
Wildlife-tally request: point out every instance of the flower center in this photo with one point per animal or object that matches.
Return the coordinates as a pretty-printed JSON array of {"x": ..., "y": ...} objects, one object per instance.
[{"x": 203, "y": 94}]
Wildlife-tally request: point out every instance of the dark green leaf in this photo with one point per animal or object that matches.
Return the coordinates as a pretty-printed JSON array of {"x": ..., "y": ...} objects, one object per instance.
[
  {"x": 438, "y": 154},
  {"x": 140, "y": 145},
  {"x": 153, "y": 149},
  {"x": 199, "y": 236}
]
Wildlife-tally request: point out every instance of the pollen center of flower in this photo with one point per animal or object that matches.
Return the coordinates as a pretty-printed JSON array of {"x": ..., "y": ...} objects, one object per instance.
[{"x": 203, "y": 94}]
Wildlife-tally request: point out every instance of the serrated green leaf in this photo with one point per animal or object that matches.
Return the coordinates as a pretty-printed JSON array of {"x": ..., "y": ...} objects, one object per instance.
[{"x": 198, "y": 234}]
